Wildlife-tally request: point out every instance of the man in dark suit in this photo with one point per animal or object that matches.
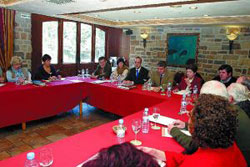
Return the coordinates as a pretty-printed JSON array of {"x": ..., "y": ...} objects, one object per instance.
[
  {"x": 225, "y": 75},
  {"x": 138, "y": 74}
]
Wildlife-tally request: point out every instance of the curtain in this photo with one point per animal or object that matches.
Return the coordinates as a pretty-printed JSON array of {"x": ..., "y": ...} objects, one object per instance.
[{"x": 7, "y": 22}]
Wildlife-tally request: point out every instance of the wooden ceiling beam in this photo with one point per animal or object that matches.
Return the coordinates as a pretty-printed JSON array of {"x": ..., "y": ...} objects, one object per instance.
[{"x": 148, "y": 6}]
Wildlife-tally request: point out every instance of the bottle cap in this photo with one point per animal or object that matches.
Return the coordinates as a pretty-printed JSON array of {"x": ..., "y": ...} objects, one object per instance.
[
  {"x": 121, "y": 121},
  {"x": 30, "y": 155}
]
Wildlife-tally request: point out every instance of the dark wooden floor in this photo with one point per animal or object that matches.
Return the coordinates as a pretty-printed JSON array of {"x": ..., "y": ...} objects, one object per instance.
[{"x": 14, "y": 141}]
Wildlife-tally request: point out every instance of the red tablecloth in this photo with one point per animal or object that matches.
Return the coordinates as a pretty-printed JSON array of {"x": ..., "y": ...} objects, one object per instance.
[
  {"x": 73, "y": 150},
  {"x": 28, "y": 102}
]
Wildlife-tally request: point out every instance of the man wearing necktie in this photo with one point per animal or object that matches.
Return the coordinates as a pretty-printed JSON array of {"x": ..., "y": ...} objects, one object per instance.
[
  {"x": 138, "y": 74},
  {"x": 161, "y": 77}
]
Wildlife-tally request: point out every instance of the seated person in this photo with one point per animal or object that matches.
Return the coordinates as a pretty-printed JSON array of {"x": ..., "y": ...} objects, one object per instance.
[
  {"x": 161, "y": 77},
  {"x": 46, "y": 71},
  {"x": 190, "y": 80},
  {"x": 244, "y": 81},
  {"x": 239, "y": 95},
  {"x": 1, "y": 75},
  {"x": 213, "y": 125},
  {"x": 225, "y": 75},
  {"x": 103, "y": 69},
  {"x": 121, "y": 70},
  {"x": 138, "y": 74},
  {"x": 242, "y": 135},
  {"x": 17, "y": 72},
  {"x": 122, "y": 155}
]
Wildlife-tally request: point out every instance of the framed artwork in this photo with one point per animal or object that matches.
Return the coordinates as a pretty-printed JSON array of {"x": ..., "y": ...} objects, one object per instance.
[{"x": 182, "y": 49}]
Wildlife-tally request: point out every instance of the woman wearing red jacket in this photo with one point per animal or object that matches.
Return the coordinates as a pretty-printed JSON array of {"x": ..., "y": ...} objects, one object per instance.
[{"x": 190, "y": 80}]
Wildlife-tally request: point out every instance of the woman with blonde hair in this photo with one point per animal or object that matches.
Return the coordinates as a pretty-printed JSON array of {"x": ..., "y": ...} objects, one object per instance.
[{"x": 17, "y": 73}]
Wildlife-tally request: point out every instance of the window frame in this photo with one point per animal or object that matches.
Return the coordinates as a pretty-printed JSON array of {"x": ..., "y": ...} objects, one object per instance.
[{"x": 78, "y": 41}]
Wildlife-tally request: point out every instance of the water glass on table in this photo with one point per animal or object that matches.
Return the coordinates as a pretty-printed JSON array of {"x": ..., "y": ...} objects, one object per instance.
[
  {"x": 136, "y": 127},
  {"x": 45, "y": 157},
  {"x": 156, "y": 115}
]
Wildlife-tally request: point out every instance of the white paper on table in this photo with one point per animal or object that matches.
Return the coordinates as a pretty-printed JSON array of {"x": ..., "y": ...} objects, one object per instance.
[
  {"x": 62, "y": 79},
  {"x": 182, "y": 92},
  {"x": 123, "y": 87},
  {"x": 162, "y": 120},
  {"x": 166, "y": 134},
  {"x": 100, "y": 81},
  {"x": 2, "y": 85},
  {"x": 76, "y": 81}
]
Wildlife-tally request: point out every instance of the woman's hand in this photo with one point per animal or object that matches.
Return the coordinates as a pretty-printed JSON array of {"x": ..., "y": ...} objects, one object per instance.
[
  {"x": 179, "y": 124},
  {"x": 156, "y": 89},
  {"x": 52, "y": 78}
]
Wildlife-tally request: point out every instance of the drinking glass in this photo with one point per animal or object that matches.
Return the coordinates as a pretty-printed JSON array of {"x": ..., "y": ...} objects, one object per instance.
[
  {"x": 136, "y": 126},
  {"x": 45, "y": 157},
  {"x": 156, "y": 115}
]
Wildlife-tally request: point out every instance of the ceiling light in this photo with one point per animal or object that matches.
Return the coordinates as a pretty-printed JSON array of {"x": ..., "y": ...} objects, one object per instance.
[{"x": 193, "y": 7}]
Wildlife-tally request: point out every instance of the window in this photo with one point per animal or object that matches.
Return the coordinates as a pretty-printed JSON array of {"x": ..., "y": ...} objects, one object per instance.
[
  {"x": 86, "y": 43},
  {"x": 50, "y": 40},
  {"x": 99, "y": 44},
  {"x": 69, "y": 42}
]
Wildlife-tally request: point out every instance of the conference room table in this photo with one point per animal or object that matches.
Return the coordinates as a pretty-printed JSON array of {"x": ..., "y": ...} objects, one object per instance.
[
  {"x": 73, "y": 150},
  {"x": 23, "y": 103}
]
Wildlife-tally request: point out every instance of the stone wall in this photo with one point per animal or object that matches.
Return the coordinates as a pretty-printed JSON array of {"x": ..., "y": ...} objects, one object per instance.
[
  {"x": 213, "y": 48},
  {"x": 22, "y": 38}
]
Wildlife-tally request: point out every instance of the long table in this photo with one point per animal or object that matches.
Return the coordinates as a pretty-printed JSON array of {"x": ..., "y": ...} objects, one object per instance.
[
  {"x": 130, "y": 103},
  {"x": 22, "y": 103}
]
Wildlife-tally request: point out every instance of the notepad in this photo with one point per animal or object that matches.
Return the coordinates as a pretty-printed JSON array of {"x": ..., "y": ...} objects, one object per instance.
[
  {"x": 162, "y": 120},
  {"x": 166, "y": 134}
]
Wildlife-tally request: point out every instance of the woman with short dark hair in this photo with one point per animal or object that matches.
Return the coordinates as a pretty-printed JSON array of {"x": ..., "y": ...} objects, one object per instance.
[
  {"x": 190, "y": 80},
  {"x": 46, "y": 71},
  {"x": 122, "y": 155}
]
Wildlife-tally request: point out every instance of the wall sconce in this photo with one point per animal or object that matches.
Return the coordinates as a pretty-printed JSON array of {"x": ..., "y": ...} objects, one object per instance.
[
  {"x": 144, "y": 36},
  {"x": 232, "y": 33}
]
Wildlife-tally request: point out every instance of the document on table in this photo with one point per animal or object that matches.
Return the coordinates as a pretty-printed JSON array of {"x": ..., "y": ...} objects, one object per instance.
[
  {"x": 76, "y": 81},
  {"x": 100, "y": 81},
  {"x": 1, "y": 84},
  {"x": 162, "y": 120},
  {"x": 166, "y": 134}
]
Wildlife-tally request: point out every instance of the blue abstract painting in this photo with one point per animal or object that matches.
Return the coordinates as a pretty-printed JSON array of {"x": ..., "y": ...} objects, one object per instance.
[{"x": 182, "y": 49}]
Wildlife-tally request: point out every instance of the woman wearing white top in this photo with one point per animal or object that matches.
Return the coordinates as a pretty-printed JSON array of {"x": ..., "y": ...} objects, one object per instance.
[
  {"x": 17, "y": 72},
  {"x": 121, "y": 70}
]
